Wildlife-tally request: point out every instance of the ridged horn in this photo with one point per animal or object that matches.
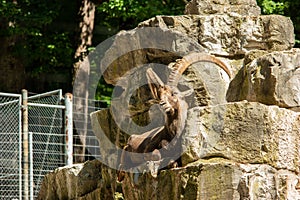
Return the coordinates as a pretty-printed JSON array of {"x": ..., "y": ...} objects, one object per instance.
[{"x": 182, "y": 64}]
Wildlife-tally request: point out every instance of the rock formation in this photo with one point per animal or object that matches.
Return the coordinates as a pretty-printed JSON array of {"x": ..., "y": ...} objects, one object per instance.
[
  {"x": 87, "y": 181},
  {"x": 242, "y": 134}
]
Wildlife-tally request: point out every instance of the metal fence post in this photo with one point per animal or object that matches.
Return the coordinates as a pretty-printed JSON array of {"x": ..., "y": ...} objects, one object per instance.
[
  {"x": 25, "y": 143},
  {"x": 31, "y": 185},
  {"x": 69, "y": 127}
]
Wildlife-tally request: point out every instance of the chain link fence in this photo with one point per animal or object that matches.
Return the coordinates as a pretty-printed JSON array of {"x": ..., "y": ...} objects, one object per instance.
[
  {"x": 86, "y": 144},
  {"x": 34, "y": 132},
  {"x": 46, "y": 128},
  {"x": 10, "y": 146}
]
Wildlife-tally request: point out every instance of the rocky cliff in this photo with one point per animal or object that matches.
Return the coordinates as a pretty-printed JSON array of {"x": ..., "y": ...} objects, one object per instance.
[{"x": 242, "y": 133}]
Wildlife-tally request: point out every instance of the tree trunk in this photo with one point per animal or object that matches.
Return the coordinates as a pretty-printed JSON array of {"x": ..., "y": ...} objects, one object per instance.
[
  {"x": 81, "y": 76},
  {"x": 12, "y": 69},
  {"x": 86, "y": 26}
]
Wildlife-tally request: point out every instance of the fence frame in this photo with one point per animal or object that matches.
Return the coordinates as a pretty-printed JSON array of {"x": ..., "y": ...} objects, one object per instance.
[
  {"x": 19, "y": 100},
  {"x": 26, "y": 142},
  {"x": 67, "y": 124}
]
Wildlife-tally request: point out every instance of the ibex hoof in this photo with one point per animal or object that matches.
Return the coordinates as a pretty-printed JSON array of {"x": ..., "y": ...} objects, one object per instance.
[
  {"x": 120, "y": 173},
  {"x": 121, "y": 176}
]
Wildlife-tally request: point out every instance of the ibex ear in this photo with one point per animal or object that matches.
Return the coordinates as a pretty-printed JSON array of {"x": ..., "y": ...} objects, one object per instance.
[{"x": 154, "y": 82}]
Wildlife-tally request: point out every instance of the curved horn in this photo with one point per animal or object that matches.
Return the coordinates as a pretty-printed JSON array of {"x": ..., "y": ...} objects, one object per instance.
[
  {"x": 182, "y": 64},
  {"x": 154, "y": 82}
]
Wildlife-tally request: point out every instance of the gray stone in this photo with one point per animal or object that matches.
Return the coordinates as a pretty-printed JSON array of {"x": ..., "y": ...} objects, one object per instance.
[
  {"x": 109, "y": 135},
  {"x": 170, "y": 37},
  {"x": 135, "y": 48},
  {"x": 208, "y": 82},
  {"x": 272, "y": 79},
  {"x": 208, "y": 7},
  {"x": 231, "y": 35},
  {"x": 245, "y": 132},
  {"x": 80, "y": 181},
  {"x": 239, "y": 150},
  {"x": 214, "y": 178}
]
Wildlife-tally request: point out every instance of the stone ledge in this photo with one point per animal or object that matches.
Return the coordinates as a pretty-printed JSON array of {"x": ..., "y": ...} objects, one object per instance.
[
  {"x": 245, "y": 132},
  {"x": 215, "y": 178}
]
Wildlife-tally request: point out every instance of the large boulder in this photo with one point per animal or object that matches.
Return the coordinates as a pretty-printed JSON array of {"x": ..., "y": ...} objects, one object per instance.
[
  {"x": 84, "y": 181},
  {"x": 110, "y": 137},
  {"x": 245, "y": 132},
  {"x": 134, "y": 48},
  {"x": 242, "y": 131},
  {"x": 231, "y": 35},
  {"x": 237, "y": 150},
  {"x": 240, "y": 150},
  {"x": 269, "y": 78}
]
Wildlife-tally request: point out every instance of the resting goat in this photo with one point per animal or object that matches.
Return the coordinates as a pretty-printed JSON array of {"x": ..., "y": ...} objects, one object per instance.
[{"x": 162, "y": 144}]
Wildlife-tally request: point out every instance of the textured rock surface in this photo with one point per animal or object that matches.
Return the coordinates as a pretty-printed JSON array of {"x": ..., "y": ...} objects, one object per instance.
[
  {"x": 177, "y": 35},
  {"x": 215, "y": 179},
  {"x": 265, "y": 137},
  {"x": 86, "y": 181},
  {"x": 209, "y": 83},
  {"x": 272, "y": 79},
  {"x": 207, "y": 7},
  {"x": 244, "y": 132},
  {"x": 231, "y": 35},
  {"x": 109, "y": 135},
  {"x": 134, "y": 48}
]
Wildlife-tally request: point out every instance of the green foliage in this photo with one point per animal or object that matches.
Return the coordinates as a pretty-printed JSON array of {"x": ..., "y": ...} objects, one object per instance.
[
  {"x": 40, "y": 48},
  {"x": 51, "y": 51},
  {"x": 104, "y": 91},
  {"x": 126, "y": 14},
  {"x": 289, "y": 8},
  {"x": 28, "y": 17},
  {"x": 118, "y": 196},
  {"x": 273, "y": 7}
]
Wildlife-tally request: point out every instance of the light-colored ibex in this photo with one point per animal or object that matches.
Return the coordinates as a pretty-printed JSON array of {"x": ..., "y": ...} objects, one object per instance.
[{"x": 162, "y": 144}]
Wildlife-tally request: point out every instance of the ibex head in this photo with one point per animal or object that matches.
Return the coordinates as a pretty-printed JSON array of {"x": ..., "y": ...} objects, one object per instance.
[
  {"x": 168, "y": 95},
  {"x": 162, "y": 93}
]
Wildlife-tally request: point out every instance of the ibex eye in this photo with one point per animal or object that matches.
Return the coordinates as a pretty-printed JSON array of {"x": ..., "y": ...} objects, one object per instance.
[{"x": 162, "y": 103}]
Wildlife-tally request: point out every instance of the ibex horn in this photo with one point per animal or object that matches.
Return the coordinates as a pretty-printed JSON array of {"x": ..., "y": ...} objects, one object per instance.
[
  {"x": 153, "y": 79},
  {"x": 182, "y": 64}
]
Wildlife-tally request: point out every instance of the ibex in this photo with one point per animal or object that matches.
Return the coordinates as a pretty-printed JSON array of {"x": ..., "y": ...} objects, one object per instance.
[{"x": 163, "y": 142}]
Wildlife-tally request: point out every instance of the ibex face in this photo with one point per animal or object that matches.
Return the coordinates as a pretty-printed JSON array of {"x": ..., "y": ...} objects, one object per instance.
[{"x": 163, "y": 94}]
